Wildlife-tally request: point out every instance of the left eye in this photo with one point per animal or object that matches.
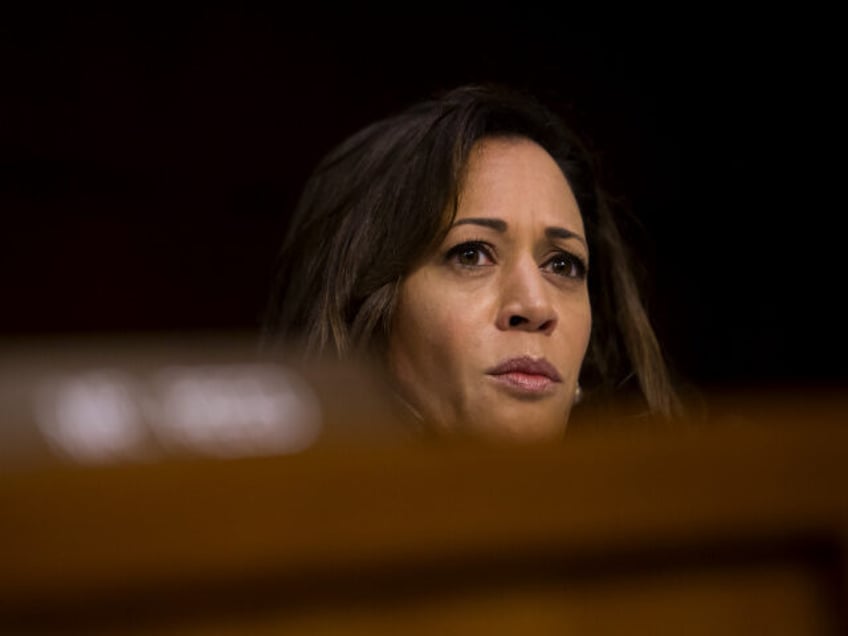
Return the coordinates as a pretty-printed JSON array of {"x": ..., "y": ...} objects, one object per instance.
[{"x": 566, "y": 265}]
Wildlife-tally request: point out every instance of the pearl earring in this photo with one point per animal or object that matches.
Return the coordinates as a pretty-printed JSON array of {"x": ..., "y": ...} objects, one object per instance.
[{"x": 578, "y": 394}]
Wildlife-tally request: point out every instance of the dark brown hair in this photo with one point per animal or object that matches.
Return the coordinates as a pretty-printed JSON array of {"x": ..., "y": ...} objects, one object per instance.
[{"x": 377, "y": 203}]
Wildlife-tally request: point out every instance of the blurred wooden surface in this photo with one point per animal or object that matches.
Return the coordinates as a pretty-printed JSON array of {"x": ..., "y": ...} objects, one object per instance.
[{"x": 734, "y": 528}]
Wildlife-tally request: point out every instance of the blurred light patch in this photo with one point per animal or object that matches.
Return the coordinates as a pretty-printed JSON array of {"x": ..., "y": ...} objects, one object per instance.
[
  {"x": 92, "y": 416},
  {"x": 226, "y": 410},
  {"x": 235, "y": 410}
]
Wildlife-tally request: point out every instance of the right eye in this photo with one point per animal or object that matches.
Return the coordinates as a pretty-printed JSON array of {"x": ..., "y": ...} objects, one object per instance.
[{"x": 470, "y": 254}]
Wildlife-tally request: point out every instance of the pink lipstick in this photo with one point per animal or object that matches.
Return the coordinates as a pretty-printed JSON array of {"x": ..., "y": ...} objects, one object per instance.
[{"x": 526, "y": 375}]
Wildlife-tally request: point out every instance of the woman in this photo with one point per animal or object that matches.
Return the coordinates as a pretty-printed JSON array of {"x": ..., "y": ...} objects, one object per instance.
[{"x": 465, "y": 247}]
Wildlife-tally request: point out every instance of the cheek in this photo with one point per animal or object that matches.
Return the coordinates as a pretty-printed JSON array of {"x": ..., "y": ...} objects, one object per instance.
[
  {"x": 430, "y": 330},
  {"x": 575, "y": 330},
  {"x": 435, "y": 334},
  {"x": 583, "y": 325},
  {"x": 584, "y": 335},
  {"x": 456, "y": 344}
]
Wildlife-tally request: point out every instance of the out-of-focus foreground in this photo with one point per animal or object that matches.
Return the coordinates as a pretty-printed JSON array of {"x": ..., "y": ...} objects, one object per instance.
[{"x": 200, "y": 488}]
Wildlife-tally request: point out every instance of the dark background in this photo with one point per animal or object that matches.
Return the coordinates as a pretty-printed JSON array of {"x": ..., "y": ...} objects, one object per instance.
[{"x": 148, "y": 160}]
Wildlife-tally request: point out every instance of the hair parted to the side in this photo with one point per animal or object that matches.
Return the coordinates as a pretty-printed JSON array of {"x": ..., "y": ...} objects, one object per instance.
[{"x": 385, "y": 197}]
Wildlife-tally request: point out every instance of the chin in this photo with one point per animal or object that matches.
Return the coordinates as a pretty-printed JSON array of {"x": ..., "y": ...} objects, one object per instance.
[{"x": 522, "y": 425}]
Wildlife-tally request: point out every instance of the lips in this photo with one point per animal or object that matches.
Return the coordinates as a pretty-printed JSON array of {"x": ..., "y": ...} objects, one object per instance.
[
  {"x": 526, "y": 375},
  {"x": 527, "y": 366}
]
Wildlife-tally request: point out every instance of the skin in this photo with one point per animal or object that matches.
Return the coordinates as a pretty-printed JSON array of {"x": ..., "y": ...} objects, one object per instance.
[{"x": 508, "y": 282}]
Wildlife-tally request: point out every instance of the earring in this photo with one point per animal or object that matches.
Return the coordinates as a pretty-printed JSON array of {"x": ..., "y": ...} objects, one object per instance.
[{"x": 578, "y": 394}]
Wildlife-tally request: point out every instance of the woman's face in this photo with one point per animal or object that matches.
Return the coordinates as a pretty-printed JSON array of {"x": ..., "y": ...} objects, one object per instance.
[{"x": 490, "y": 330}]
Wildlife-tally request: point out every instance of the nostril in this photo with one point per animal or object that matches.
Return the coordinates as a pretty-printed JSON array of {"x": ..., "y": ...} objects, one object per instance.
[
  {"x": 514, "y": 321},
  {"x": 546, "y": 326}
]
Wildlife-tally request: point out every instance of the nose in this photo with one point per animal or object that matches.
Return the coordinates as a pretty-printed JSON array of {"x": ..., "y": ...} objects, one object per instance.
[{"x": 525, "y": 300}]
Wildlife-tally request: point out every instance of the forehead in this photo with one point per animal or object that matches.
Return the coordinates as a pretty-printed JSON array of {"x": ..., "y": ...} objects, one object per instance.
[{"x": 515, "y": 178}]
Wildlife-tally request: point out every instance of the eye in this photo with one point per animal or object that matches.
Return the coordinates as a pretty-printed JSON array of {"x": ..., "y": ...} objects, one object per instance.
[
  {"x": 566, "y": 265},
  {"x": 470, "y": 254}
]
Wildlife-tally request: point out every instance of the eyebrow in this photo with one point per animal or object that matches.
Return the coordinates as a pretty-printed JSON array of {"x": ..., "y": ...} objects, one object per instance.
[{"x": 499, "y": 225}]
